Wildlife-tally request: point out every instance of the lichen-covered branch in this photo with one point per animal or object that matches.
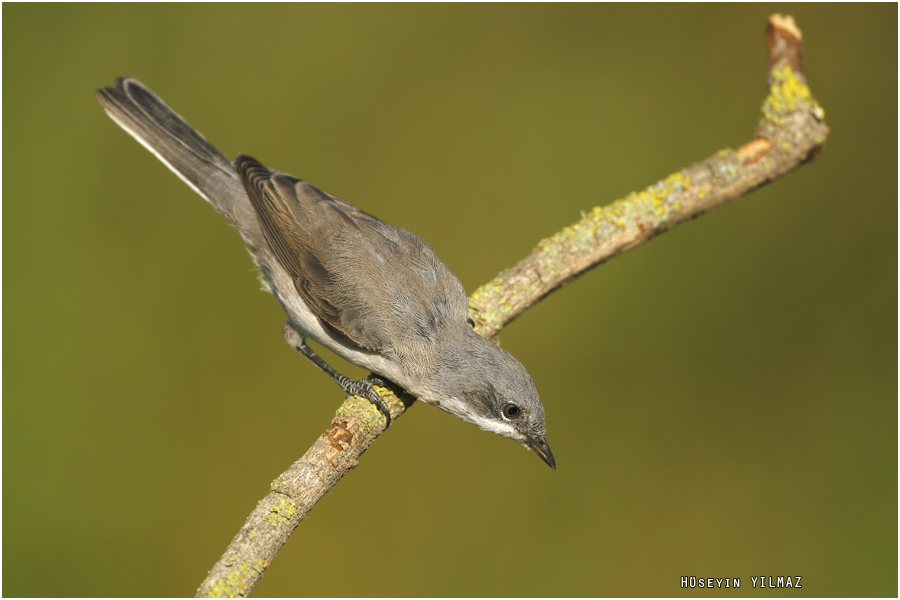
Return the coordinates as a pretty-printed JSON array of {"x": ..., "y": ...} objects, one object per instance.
[
  {"x": 293, "y": 494},
  {"x": 790, "y": 132}
]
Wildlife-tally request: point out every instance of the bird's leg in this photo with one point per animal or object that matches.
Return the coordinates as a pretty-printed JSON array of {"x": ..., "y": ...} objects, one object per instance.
[{"x": 353, "y": 387}]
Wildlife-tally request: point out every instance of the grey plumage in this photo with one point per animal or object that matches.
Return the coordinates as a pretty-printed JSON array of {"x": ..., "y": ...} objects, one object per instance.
[{"x": 375, "y": 294}]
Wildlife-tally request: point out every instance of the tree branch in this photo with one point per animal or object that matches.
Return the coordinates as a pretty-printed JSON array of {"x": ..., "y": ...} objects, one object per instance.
[{"x": 790, "y": 132}]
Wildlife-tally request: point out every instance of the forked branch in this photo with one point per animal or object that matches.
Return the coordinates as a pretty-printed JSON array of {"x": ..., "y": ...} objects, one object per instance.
[{"x": 791, "y": 132}]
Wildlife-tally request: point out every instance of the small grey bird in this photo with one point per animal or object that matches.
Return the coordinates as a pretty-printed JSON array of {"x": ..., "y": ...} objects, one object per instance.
[{"x": 374, "y": 294}]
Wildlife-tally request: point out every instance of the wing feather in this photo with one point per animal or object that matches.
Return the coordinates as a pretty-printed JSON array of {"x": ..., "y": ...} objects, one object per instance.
[{"x": 374, "y": 286}]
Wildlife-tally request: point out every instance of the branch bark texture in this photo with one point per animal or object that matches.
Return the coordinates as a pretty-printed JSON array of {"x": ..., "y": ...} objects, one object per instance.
[{"x": 791, "y": 131}]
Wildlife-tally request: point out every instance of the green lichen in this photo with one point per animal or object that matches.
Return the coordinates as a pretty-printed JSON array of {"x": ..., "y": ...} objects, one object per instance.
[
  {"x": 479, "y": 296},
  {"x": 259, "y": 565},
  {"x": 490, "y": 304},
  {"x": 486, "y": 310},
  {"x": 702, "y": 193},
  {"x": 369, "y": 414},
  {"x": 647, "y": 209},
  {"x": 239, "y": 580},
  {"x": 651, "y": 206},
  {"x": 283, "y": 509},
  {"x": 787, "y": 94}
]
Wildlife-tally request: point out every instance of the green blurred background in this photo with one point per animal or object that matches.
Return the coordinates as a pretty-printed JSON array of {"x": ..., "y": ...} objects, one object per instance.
[{"x": 722, "y": 401}]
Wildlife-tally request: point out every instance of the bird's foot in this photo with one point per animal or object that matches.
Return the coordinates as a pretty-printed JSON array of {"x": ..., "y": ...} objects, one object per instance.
[{"x": 365, "y": 388}]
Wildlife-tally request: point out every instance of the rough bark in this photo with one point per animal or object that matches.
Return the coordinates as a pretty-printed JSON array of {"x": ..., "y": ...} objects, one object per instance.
[{"x": 791, "y": 131}]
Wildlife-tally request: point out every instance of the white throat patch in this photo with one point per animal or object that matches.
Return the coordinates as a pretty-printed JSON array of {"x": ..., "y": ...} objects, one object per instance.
[{"x": 456, "y": 407}]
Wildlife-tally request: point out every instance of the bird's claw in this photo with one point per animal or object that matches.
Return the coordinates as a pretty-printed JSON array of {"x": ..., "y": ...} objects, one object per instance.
[{"x": 366, "y": 389}]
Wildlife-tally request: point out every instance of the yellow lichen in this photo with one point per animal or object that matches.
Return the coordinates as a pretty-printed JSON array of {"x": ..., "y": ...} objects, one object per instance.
[
  {"x": 259, "y": 565},
  {"x": 486, "y": 309},
  {"x": 787, "y": 94},
  {"x": 239, "y": 580},
  {"x": 657, "y": 202},
  {"x": 283, "y": 509}
]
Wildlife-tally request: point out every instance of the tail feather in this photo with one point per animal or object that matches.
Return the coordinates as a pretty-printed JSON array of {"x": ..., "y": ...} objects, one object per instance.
[{"x": 178, "y": 145}]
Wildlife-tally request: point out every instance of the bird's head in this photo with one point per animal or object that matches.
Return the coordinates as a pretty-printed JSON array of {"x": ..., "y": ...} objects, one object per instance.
[{"x": 485, "y": 385}]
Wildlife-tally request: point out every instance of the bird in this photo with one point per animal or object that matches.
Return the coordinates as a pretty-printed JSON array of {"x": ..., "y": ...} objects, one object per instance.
[{"x": 373, "y": 293}]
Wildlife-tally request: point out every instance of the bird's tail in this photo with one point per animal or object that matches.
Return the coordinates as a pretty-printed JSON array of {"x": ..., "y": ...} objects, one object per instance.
[{"x": 159, "y": 129}]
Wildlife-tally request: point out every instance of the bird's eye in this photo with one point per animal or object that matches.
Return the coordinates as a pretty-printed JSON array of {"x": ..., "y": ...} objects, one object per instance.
[{"x": 511, "y": 411}]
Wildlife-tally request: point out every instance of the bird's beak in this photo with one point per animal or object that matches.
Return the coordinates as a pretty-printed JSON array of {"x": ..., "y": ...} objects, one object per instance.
[{"x": 539, "y": 445}]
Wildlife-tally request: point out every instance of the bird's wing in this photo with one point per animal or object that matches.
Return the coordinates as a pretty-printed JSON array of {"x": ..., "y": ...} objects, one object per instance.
[{"x": 372, "y": 285}]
